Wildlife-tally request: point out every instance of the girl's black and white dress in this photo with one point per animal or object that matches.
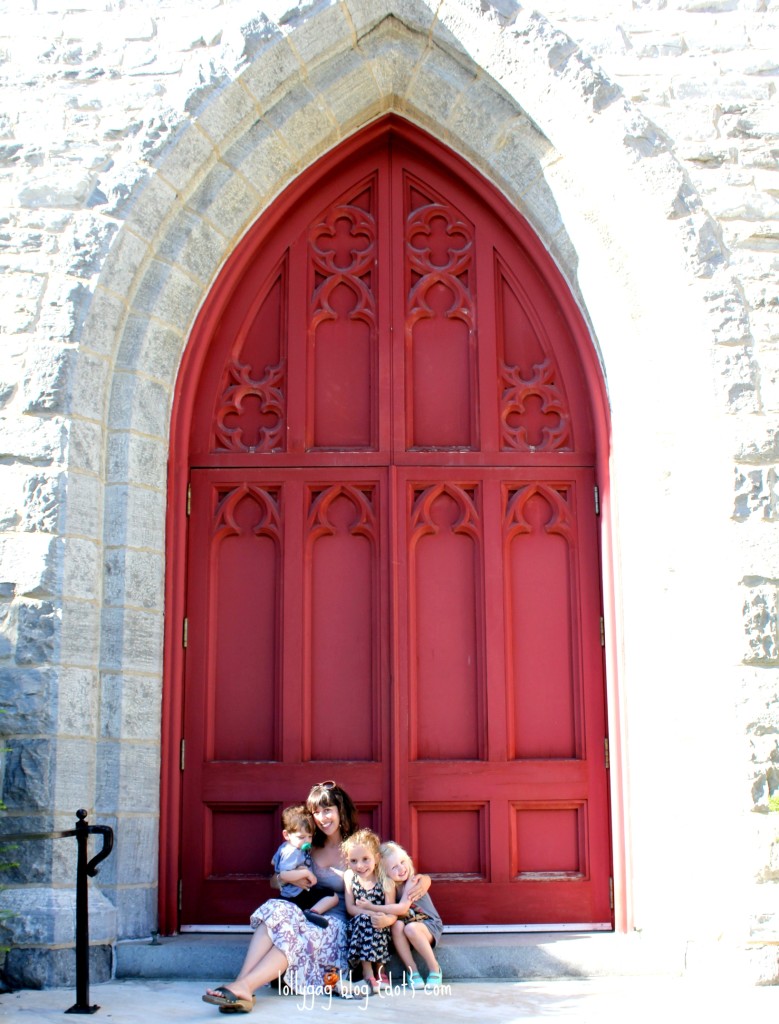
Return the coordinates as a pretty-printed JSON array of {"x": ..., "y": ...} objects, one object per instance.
[{"x": 365, "y": 941}]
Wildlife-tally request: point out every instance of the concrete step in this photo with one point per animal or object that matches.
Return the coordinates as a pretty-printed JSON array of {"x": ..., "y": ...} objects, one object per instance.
[{"x": 523, "y": 956}]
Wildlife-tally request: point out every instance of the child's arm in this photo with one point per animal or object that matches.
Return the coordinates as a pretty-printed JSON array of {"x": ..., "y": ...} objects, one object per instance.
[
  {"x": 351, "y": 908},
  {"x": 416, "y": 887},
  {"x": 386, "y": 917},
  {"x": 325, "y": 904},
  {"x": 381, "y": 916},
  {"x": 392, "y": 909}
]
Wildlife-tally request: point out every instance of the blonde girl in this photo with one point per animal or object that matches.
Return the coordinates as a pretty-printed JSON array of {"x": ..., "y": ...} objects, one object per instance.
[
  {"x": 365, "y": 882},
  {"x": 418, "y": 922}
]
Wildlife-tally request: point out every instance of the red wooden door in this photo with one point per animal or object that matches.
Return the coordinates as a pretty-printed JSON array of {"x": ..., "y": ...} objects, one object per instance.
[{"x": 393, "y": 573}]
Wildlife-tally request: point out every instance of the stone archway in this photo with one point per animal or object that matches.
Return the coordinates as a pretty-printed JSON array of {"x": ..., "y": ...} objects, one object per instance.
[{"x": 499, "y": 105}]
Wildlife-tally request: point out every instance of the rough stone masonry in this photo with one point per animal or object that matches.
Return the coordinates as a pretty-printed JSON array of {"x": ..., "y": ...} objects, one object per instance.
[{"x": 140, "y": 138}]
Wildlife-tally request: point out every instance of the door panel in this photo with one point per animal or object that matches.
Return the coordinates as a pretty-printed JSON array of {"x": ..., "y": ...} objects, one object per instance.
[
  {"x": 393, "y": 573},
  {"x": 503, "y": 799},
  {"x": 290, "y": 695}
]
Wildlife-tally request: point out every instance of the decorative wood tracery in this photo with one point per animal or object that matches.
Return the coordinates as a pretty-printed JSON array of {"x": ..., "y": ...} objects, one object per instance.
[
  {"x": 319, "y": 516},
  {"x": 516, "y": 415},
  {"x": 435, "y": 258},
  {"x": 251, "y": 411},
  {"x": 422, "y": 514},
  {"x": 342, "y": 328},
  {"x": 517, "y": 520},
  {"x": 268, "y": 391},
  {"x": 268, "y": 511},
  {"x": 441, "y": 371},
  {"x": 534, "y": 413},
  {"x": 343, "y": 252}
]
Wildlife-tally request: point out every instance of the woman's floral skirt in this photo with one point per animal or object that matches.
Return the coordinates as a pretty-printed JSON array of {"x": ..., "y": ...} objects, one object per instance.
[{"x": 308, "y": 949}]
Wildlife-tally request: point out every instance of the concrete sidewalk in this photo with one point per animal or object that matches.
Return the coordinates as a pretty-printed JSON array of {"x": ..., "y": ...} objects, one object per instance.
[{"x": 601, "y": 1000}]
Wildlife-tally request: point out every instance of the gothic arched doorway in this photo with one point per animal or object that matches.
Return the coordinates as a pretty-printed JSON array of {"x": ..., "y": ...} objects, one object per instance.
[{"x": 391, "y": 571}]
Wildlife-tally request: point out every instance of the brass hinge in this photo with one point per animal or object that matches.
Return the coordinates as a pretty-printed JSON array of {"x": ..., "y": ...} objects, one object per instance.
[
  {"x": 606, "y": 754},
  {"x": 602, "y": 633},
  {"x": 597, "y": 500},
  {"x": 182, "y": 753},
  {"x": 189, "y": 499},
  {"x": 185, "y": 633},
  {"x": 180, "y": 889},
  {"x": 611, "y": 894}
]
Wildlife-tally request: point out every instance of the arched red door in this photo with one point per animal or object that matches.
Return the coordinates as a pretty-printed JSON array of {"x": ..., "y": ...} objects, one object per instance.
[{"x": 392, "y": 560}]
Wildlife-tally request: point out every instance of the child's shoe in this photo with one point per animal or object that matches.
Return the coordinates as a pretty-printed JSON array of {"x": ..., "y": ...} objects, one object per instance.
[
  {"x": 415, "y": 980},
  {"x": 383, "y": 980},
  {"x": 434, "y": 980}
]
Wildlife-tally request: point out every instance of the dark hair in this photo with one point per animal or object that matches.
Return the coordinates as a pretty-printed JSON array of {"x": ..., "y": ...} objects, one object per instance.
[
  {"x": 297, "y": 818},
  {"x": 330, "y": 794}
]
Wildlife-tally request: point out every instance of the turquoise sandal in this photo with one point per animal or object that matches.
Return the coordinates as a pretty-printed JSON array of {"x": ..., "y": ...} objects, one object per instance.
[
  {"x": 434, "y": 979},
  {"x": 415, "y": 980}
]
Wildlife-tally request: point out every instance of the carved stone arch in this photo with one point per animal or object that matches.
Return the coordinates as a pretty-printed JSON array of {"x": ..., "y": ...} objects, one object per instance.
[{"x": 536, "y": 122}]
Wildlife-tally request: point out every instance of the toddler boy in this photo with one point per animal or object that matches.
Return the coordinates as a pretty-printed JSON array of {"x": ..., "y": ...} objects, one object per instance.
[{"x": 295, "y": 852}]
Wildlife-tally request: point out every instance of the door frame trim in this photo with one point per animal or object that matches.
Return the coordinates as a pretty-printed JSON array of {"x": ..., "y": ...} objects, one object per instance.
[{"x": 178, "y": 479}]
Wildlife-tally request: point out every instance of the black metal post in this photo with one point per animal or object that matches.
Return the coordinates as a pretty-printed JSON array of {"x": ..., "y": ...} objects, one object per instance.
[
  {"x": 82, "y": 832},
  {"x": 81, "y": 1004}
]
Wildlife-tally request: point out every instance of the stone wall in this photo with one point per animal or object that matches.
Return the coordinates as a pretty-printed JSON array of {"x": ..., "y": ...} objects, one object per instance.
[
  {"x": 706, "y": 73},
  {"x": 138, "y": 143}
]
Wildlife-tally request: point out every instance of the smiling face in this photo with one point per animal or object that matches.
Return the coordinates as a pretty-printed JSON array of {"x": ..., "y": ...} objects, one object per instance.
[
  {"x": 327, "y": 820},
  {"x": 396, "y": 867},
  {"x": 361, "y": 860},
  {"x": 328, "y": 803}
]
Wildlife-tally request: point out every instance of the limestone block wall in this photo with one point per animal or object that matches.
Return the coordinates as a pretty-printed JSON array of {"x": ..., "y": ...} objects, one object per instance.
[
  {"x": 140, "y": 139},
  {"x": 706, "y": 74}
]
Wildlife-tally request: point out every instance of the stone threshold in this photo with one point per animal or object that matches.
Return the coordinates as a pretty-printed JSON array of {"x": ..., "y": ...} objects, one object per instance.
[{"x": 501, "y": 956}]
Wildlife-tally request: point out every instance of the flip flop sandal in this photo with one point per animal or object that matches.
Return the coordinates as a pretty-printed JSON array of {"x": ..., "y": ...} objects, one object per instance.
[
  {"x": 228, "y": 1001},
  {"x": 238, "y": 1009}
]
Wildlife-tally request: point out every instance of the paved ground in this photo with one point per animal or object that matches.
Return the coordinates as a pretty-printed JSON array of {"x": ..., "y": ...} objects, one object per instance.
[{"x": 605, "y": 1001}]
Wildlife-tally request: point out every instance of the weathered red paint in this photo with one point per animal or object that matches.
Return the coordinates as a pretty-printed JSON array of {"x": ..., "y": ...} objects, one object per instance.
[{"x": 392, "y": 419}]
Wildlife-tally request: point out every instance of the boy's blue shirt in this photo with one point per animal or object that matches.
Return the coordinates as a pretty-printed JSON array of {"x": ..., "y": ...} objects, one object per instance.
[{"x": 289, "y": 858}]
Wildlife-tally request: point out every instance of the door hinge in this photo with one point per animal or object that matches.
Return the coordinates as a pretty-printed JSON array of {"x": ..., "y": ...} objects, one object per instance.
[
  {"x": 182, "y": 753},
  {"x": 180, "y": 891},
  {"x": 611, "y": 894},
  {"x": 185, "y": 633},
  {"x": 597, "y": 500},
  {"x": 189, "y": 499},
  {"x": 606, "y": 754},
  {"x": 602, "y": 633}
]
